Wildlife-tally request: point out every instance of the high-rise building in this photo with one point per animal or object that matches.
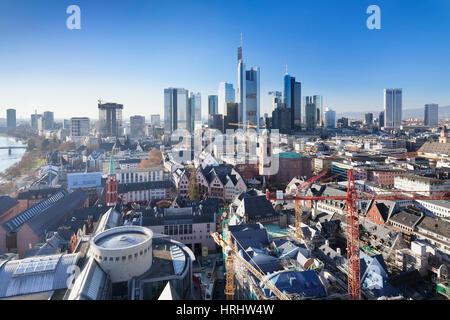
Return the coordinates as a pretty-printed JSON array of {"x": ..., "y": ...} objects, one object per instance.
[
  {"x": 392, "y": 108},
  {"x": 110, "y": 119},
  {"x": 431, "y": 115},
  {"x": 248, "y": 96},
  {"x": 137, "y": 126},
  {"x": 231, "y": 115},
  {"x": 310, "y": 115},
  {"x": 34, "y": 120},
  {"x": 330, "y": 118},
  {"x": 155, "y": 120},
  {"x": 11, "y": 118},
  {"x": 215, "y": 121},
  {"x": 368, "y": 118},
  {"x": 317, "y": 102},
  {"x": 195, "y": 101},
  {"x": 381, "y": 119},
  {"x": 177, "y": 110},
  {"x": 292, "y": 97},
  {"x": 79, "y": 127},
  {"x": 48, "y": 121},
  {"x": 213, "y": 104},
  {"x": 227, "y": 94}
]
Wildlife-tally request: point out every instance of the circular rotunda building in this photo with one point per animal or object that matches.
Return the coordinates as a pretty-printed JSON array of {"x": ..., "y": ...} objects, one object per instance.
[{"x": 123, "y": 252}]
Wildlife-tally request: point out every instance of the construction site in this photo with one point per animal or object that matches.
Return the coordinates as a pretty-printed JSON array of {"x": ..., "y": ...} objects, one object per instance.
[{"x": 329, "y": 248}]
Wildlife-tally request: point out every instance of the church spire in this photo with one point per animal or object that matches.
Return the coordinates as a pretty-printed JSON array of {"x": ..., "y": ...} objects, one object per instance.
[{"x": 112, "y": 165}]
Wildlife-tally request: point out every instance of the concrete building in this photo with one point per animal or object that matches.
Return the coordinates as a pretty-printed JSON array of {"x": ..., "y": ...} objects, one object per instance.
[
  {"x": 137, "y": 126},
  {"x": 110, "y": 119},
  {"x": 368, "y": 119},
  {"x": 48, "y": 121},
  {"x": 79, "y": 127},
  {"x": 155, "y": 120},
  {"x": 423, "y": 185}
]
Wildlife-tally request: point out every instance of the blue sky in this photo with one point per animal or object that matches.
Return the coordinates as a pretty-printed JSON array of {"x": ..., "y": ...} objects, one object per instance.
[{"x": 129, "y": 51}]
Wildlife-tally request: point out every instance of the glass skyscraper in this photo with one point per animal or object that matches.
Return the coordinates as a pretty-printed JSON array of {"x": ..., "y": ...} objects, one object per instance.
[
  {"x": 292, "y": 97},
  {"x": 431, "y": 118},
  {"x": 213, "y": 105},
  {"x": 227, "y": 94},
  {"x": 177, "y": 110},
  {"x": 392, "y": 108}
]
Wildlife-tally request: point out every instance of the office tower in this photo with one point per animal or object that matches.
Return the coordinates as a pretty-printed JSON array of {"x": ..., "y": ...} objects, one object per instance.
[
  {"x": 66, "y": 124},
  {"x": 215, "y": 121},
  {"x": 195, "y": 102},
  {"x": 79, "y": 127},
  {"x": 248, "y": 92},
  {"x": 213, "y": 104},
  {"x": 431, "y": 115},
  {"x": 227, "y": 94},
  {"x": 330, "y": 118},
  {"x": 231, "y": 115},
  {"x": 137, "y": 126},
  {"x": 368, "y": 118},
  {"x": 177, "y": 110},
  {"x": 392, "y": 108},
  {"x": 11, "y": 118},
  {"x": 110, "y": 119},
  {"x": 34, "y": 120},
  {"x": 155, "y": 120},
  {"x": 281, "y": 120},
  {"x": 310, "y": 115},
  {"x": 292, "y": 97},
  {"x": 381, "y": 119},
  {"x": 318, "y": 102},
  {"x": 48, "y": 121}
]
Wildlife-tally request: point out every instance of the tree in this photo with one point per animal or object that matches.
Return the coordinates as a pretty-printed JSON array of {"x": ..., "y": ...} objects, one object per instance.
[
  {"x": 31, "y": 144},
  {"x": 154, "y": 159},
  {"x": 193, "y": 187}
]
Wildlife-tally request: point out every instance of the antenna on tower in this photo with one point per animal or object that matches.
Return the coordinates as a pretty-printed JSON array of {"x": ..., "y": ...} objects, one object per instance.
[
  {"x": 287, "y": 68},
  {"x": 100, "y": 101},
  {"x": 241, "y": 40}
]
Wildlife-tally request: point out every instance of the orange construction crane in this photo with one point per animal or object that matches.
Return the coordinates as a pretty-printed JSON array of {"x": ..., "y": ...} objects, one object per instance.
[
  {"x": 352, "y": 199},
  {"x": 231, "y": 252},
  {"x": 247, "y": 126}
]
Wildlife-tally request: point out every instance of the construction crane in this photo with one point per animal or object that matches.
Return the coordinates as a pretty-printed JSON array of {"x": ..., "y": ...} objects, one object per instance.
[
  {"x": 231, "y": 253},
  {"x": 352, "y": 199},
  {"x": 247, "y": 126}
]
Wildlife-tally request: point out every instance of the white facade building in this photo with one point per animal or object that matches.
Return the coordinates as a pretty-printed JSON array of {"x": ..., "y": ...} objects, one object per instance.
[{"x": 392, "y": 108}]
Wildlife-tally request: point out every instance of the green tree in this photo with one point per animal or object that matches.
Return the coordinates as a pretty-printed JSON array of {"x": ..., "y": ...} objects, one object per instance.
[{"x": 193, "y": 187}]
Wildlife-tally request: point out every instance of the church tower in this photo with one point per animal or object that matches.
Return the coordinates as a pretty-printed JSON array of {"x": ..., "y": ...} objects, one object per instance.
[
  {"x": 444, "y": 135},
  {"x": 112, "y": 186}
]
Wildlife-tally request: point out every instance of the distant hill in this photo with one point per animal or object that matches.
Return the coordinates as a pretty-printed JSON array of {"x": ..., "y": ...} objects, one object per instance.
[{"x": 444, "y": 112}]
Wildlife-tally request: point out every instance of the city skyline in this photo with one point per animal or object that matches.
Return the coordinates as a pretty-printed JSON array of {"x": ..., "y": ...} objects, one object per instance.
[{"x": 68, "y": 70}]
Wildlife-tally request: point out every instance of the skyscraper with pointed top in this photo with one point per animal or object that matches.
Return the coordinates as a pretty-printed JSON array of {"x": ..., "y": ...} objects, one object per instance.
[
  {"x": 112, "y": 186},
  {"x": 248, "y": 94}
]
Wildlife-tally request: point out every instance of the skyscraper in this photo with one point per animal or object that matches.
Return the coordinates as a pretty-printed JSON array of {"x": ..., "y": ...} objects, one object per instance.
[
  {"x": 110, "y": 119},
  {"x": 195, "y": 101},
  {"x": 330, "y": 118},
  {"x": 309, "y": 114},
  {"x": 227, "y": 94},
  {"x": 292, "y": 97},
  {"x": 431, "y": 118},
  {"x": 368, "y": 118},
  {"x": 248, "y": 96},
  {"x": 11, "y": 118},
  {"x": 155, "y": 120},
  {"x": 392, "y": 108},
  {"x": 177, "y": 110},
  {"x": 381, "y": 119},
  {"x": 314, "y": 112},
  {"x": 79, "y": 127},
  {"x": 137, "y": 126},
  {"x": 213, "y": 105},
  {"x": 48, "y": 120}
]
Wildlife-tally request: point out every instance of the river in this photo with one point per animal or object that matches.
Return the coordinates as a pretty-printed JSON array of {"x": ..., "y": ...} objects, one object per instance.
[{"x": 7, "y": 160}]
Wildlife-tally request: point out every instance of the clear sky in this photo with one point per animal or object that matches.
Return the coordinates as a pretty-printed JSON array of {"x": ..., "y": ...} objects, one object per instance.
[{"x": 129, "y": 51}]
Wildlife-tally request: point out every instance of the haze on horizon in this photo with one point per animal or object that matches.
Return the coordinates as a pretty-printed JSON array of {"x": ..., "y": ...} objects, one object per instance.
[{"x": 129, "y": 51}]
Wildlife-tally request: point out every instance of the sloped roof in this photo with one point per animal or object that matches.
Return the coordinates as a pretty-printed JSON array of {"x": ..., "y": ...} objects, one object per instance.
[
  {"x": 6, "y": 203},
  {"x": 435, "y": 147},
  {"x": 303, "y": 283},
  {"x": 34, "y": 282},
  {"x": 258, "y": 207}
]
